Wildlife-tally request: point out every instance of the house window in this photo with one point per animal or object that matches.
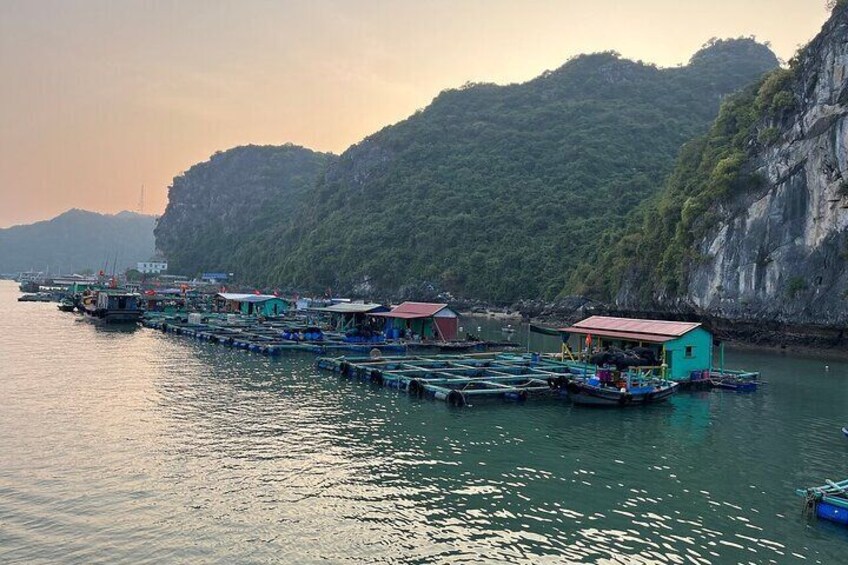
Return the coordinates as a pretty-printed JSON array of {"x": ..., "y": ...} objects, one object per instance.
[{"x": 690, "y": 351}]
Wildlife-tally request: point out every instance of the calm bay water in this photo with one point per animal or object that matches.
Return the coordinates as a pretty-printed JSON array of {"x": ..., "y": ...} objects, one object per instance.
[{"x": 133, "y": 446}]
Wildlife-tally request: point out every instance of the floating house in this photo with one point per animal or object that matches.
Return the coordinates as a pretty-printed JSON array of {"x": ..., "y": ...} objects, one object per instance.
[
  {"x": 251, "y": 304},
  {"x": 169, "y": 301},
  {"x": 423, "y": 320},
  {"x": 349, "y": 315},
  {"x": 684, "y": 347}
]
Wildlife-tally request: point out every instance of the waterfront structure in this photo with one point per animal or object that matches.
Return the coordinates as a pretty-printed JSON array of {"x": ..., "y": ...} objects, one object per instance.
[
  {"x": 685, "y": 348},
  {"x": 421, "y": 320},
  {"x": 351, "y": 315},
  {"x": 252, "y": 304},
  {"x": 152, "y": 267}
]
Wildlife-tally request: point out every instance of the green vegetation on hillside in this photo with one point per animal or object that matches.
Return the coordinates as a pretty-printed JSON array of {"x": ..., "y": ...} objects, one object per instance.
[
  {"x": 219, "y": 210},
  {"x": 77, "y": 240},
  {"x": 502, "y": 192}
]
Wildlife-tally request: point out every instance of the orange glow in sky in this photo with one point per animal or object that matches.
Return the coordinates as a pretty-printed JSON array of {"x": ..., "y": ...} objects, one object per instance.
[{"x": 101, "y": 97}]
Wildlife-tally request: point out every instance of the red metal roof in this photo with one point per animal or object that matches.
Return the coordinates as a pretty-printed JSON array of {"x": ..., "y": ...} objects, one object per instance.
[
  {"x": 412, "y": 310},
  {"x": 647, "y": 338},
  {"x": 654, "y": 331}
]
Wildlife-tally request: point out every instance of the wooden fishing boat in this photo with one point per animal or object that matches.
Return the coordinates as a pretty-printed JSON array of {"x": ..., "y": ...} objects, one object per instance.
[
  {"x": 828, "y": 502},
  {"x": 592, "y": 392},
  {"x": 112, "y": 307}
]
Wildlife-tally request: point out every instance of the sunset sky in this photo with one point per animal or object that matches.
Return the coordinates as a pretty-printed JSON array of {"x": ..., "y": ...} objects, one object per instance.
[{"x": 101, "y": 97}]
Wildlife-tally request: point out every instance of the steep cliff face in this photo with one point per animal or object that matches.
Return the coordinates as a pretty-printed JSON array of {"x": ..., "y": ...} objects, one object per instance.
[
  {"x": 751, "y": 230},
  {"x": 780, "y": 251},
  {"x": 220, "y": 211}
]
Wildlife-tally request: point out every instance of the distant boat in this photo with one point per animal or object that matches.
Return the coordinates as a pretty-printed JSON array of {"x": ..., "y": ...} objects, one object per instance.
[
  {"x": 112, "y": 307},
  {"x": 508, "y": 329},
  {"x": 845, "y": 431},
  {"x": 66, "y": 305}
]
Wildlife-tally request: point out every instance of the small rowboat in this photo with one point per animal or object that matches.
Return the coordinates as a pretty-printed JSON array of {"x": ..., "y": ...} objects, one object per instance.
[
  {"x": 588, "y": 393},
  {"x": 845, "y": 431},
  {"x": 828, "y": 502},
  {"x": 735, "y": 384}
]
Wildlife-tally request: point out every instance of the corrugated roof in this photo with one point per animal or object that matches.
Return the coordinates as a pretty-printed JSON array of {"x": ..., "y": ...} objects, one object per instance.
[
  {"x": 352, "y": 308},
  {"x": 628, "y": 336},
  {"x": 412, "y": 310},
  {"x": 238, "y": 297},
  {"x": 655, "y": 331}
]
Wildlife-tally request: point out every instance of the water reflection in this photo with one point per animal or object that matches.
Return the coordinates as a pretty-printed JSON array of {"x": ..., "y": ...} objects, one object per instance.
[{"x": 145, "y": 447}]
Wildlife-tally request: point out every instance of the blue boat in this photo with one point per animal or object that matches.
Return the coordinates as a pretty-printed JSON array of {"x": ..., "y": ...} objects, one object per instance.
[
  {"x": 828, "y": 502},
  {"x": 594, "y": 392}
]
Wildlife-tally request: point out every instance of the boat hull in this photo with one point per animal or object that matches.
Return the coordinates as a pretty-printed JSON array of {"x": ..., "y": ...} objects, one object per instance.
[
  {"x": 588, "y": 395},
  {"x": 122, "y": 317}
]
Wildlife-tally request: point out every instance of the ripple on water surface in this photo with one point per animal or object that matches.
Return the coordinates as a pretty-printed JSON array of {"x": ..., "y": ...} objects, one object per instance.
[{"x": 141, "y": 447}]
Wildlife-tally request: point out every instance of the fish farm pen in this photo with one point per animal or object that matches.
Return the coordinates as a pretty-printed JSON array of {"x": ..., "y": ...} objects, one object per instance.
[
  {"x": 460, "y": 380},
  {"x": 275, "y": 337}
]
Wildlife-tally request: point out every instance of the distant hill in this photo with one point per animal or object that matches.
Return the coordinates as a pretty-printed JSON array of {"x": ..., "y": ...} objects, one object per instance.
[
  {"x": 492, "y": 192},
  {"x": 223, "y": 213},
  {"x": 500, "y": 192},
  {"x": 77, "y": 240}
]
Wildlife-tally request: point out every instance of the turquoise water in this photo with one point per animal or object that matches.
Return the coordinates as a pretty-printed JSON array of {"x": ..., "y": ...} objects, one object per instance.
[{"x": 134, "y": 446}]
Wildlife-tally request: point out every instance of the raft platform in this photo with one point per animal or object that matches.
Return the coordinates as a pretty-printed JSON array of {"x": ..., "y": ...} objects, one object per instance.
[
  {"x": 266, "y": 337},
  {"x": 460, "y": 380}
]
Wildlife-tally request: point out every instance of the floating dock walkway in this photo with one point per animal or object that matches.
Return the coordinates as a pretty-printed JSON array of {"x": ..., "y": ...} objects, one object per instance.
[
  {"x": 461, "y": 379},
  {"x": 267, "y": 337},
  {"x": 264, "y": 337}
]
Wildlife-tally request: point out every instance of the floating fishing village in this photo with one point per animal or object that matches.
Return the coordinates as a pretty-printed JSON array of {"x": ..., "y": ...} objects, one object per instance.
[
  {"x": 424, "y": 282},
  {"x": 420, "y": 349}
]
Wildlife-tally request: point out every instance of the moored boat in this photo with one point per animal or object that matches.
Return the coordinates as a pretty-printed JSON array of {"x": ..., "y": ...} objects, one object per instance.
[
  {"x": 828, "y": 502},
  {"x": 37, "y": 297},
  {"x": 66, "y": 305},
  {"x": 594, "y": 392},
  {"x": 735, "y": 383},
  {"x": 112, "y": 306}
]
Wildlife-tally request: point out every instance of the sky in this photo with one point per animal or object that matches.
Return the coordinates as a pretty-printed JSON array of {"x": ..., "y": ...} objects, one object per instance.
[{"x": 99, "y": 97}]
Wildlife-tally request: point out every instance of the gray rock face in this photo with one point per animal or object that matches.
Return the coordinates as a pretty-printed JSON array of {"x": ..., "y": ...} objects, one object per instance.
[{"x": 781, "y": 252}]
